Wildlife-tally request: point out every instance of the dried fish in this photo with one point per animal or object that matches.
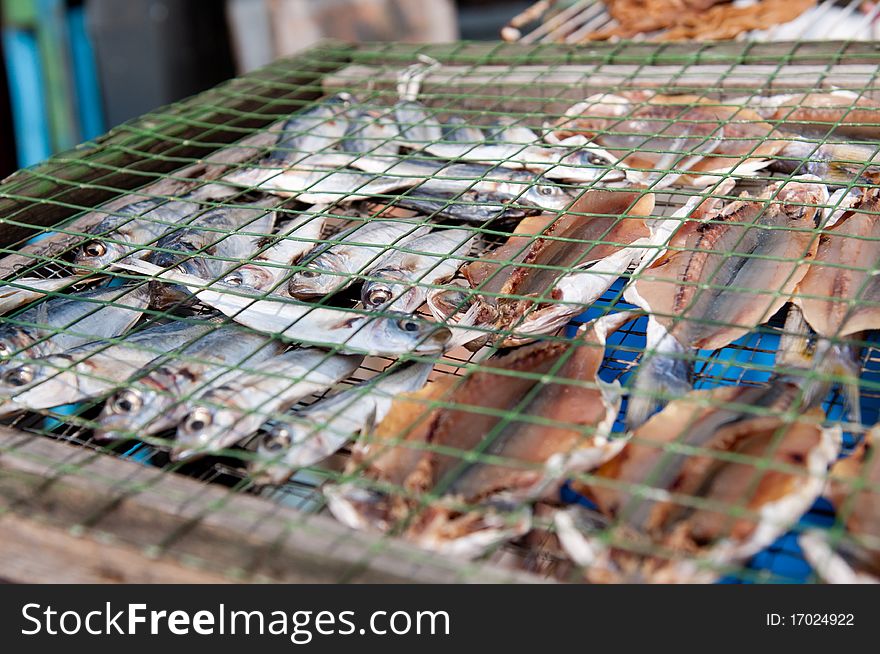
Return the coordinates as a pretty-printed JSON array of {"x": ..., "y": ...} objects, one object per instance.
[
  {"x": 853, "y": 557},
  {"x": 316, "y": 129},
  {"x": 19, "y": 292},
  {"x": 720, "y": 278},
  {"x": 93, "y": 369},
  {"x": 390, "y": 334},
  {"x": 669, "y": 491},
  {"x": 156, "y": 401},
  {"x": 67, "y": 321},
  {"x": 233, "y": 407},
  {"x": 140, "y": 223},
  {"x": 572, "y": 263},
  {"x": 210, "y": 245},
  {"x": 400, "y": 282},
  {"x": 266, "y": 269},
  {"x": 699, "y": 139},
  {"x": 843, "y": 112},
  {"x": 311, "y": 435},
  {"x": 839, "y": 296},
  {"x": 334, "y": 266},
  {"x": 504, "y": 435}
]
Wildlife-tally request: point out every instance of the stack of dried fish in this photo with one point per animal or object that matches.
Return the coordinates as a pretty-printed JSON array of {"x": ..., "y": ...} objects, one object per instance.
[{"x": 249, "y": 309}]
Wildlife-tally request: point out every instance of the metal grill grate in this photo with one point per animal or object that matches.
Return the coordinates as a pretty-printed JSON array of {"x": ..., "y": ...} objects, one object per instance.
[{"x": 229, "y": 149}]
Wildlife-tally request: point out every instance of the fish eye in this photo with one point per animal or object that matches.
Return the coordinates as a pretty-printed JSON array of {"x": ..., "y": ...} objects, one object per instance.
[
  {"x": 378, "y": 296},
  {"x": 197, "y": 420},
  {"x": 95, "y": 249},
  {"x": 277, "y": 441},
  {"x": 547, "y": 190},
  {"x": 126, "y": 402},
  {"x": 19, "y": 376},
  {"x": 408, "y": 325},
  {"x": 597, "y": 160},
  {"x": 4, "y": 349},
  {"x": 309, "y": 274},
  {"x": 235, "y": 279}
]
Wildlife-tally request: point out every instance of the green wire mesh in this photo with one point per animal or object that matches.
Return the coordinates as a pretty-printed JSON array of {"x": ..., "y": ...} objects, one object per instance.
[{"x": 187, "y": 149}]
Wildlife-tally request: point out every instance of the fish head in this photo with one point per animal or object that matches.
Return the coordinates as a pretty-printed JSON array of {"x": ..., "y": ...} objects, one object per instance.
[
  {"x": 206, "y": 428},
  {"x": 270, "y": 467},
  {"x": 389, "y": 285},
  {"x": 594, "y": 164},
  {"x": 249, "y": 276},
  {"x": 98, "y": 253},
  {"x": 141, "y": 408},
  {"x": 396, "y": 332},
  {"x": 49, "y": 382},
  {"x": 13, "y": 341},
  {"x": 314, "y": 282},
  {"x": 548, "y": 195}
]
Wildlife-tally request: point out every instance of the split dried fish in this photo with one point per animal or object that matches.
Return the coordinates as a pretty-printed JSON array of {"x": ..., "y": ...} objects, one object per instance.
[
  {"x": 504, "y": 435},
  {"x": 157, "y": 400},
  {"x": 720, "y": 279},
  {"x": 334, "y": 266},
  {"x": 839, "y": 296},
  {"x": 843, "y": 112},
  {"x": 233, "y": 407},
  {"x": 67, "y": 321},
  {"x": 853, "y": 557},
  {"x": 121, "y": 235},
  {"x": 298, "y": 322},
  {"x": 400, "y": 282},
  {"x": 311, "y": 435},
  {"x": 699, "y": 139},
  {"x": 94, "y": 369},
  {"x": 572, "y": 263},
  {"x": 668, "y": 496}
]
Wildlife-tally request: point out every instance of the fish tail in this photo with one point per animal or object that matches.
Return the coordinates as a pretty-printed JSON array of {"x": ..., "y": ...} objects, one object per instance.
[
  {"x": 840, "y": 361},
  {"x": 662, "y": 374}
]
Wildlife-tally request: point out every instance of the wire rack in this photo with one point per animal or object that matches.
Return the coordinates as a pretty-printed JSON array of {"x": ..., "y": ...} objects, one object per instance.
[
  {"x": 580, "y": 21},
  {"x": 507, "y": 479}
]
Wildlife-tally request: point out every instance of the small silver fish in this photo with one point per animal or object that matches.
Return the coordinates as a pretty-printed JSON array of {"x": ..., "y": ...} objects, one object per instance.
[
  {"x": 233, "y": 408},
  {"x": 389, "y": 335},
  {"x": 370, "y": 131},
  {"x": 136, "y": 224},
  {"x": 316, "y": 129},
  {"x": 18, "y": 292},
  {"x": 402, "y": 280},
  {"x": 311, "y": 435},
  {"x": 211, "y": 245},
  {"x": 93, "y": 369},
  {"x": 469, "y": 207},
  {"x": 65, "y": 322},
  {"x": 156, "y": 401},
  {"x": 265, "y": 270},
  {"x": 334, "y": 266}
]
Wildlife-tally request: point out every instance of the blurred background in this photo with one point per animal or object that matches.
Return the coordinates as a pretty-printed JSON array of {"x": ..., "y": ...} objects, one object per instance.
[{"x": 74, "y": 68}]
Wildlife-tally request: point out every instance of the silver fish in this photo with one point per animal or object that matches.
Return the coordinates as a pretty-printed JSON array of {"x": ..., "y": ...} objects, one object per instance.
[
  {"x": 265, "y": 270},
  {"x": 136, "y": 224},
  {"x": 211, "y": 245},
  {"x": 334, "y": 266},
  {"x": 16, "y": 293},
  {"x": 370, "y": 131},
  {"x": 93, "y": 369},
  {"x": 316, "y": 129},
  {"x": 469, "y": 207},
  {"x": 156, "y": 401},
  {"x": 313, "y": 434},
  {"x": 234, "y": 408},
  {"x": 65, "y": 322},
  {"x": 320, "y": 180},
  {"x": 400, "y": 282},
  {"x": 389, "y": 335}
]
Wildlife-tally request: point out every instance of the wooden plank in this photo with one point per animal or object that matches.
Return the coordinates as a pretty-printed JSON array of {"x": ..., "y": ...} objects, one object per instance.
[
  {"x": 138, "y": 152},
  {"x": 181, "y": 522}
]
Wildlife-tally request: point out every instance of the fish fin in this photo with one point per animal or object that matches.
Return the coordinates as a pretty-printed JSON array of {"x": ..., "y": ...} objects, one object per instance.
[
  {"x": 841, "y": 361},
  {"x": 663, "y": 373}
]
